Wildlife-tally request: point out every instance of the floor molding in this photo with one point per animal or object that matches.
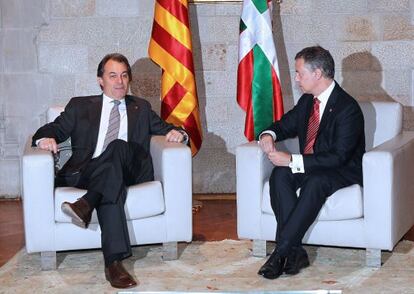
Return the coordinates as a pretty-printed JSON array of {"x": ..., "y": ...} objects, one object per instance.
[{"x": 222, "y": 196}]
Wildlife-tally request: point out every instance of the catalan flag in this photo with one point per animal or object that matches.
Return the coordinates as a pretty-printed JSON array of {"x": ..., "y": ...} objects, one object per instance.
[
  {"x": 258, "y": 87},
  {"x": 170, "y": 47}
]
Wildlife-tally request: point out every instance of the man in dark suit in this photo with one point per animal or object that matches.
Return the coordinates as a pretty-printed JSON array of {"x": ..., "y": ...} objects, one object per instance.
[
  {"x": 330, "y": 127},
  {"x": 110, "y": 137}
]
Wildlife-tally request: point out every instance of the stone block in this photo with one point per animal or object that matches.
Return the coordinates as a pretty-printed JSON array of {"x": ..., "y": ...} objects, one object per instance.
[
  {"x": 359, "y": 83},
  {"x": 1, "y": 49},
  {"x": 9, "y": 178},
  {"x": 19, "y": 50},
  {"x": 117, "y": 32},
  {"x": 219, "y": 29},
  {"x": 146, "y": 83},
  {"x": 398, "y": 82},
  {"x": 61, "y": 59},
  {"x": 232, "y": 58},
  {"x": 72, "y": 8},
  {"x": 408, "y": 115},
  {"x": 122, "y": 8},
  {"x": 86, "y": 84},
  {"x": 358, "y": 28},
  {"x": 28, "y": 101},
  {"x": 217, "y": 84},
  {"x": 355, "y": 56},
  {"x": 412, "y": 11},
  {"x": 398, "y": 27},
  {"x": 202, "y": 9},
  {"x": 394, "y": 55},
  {"x": 412, "y": 88},
  {"x": 217, "y": 109},
  {"x": 63, "y": 86},
  {"x": 214, "y": 171},
  {"x": 322, "y": 7},
  {"x": 23, "y": 13},
  {"x": 210, "y": 57},
  {"x": 229, "y": 9},
  {"x": 146, "y": 8},
  {"x": 308, "y": 29},
  {"x": 298, "y": 7},
  {"x": 388, "y": 5}
]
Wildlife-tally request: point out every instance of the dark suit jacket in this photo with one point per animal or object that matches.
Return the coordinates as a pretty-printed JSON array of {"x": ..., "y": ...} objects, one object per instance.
[
  {"x": 80, "y": 121},
  {"x": 340, "y": 142}
]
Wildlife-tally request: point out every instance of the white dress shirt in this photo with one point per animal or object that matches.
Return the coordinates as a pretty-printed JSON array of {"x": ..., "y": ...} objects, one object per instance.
[{"x": 107, "y": 105}]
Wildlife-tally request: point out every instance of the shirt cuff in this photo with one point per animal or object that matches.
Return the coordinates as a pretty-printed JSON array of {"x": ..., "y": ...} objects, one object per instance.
[
  {"x": 297, "y": 164},
  {"x": 38, "y": 141},
  {"x": 186, "y": 138},
  {"x": 271, "y": 133}
]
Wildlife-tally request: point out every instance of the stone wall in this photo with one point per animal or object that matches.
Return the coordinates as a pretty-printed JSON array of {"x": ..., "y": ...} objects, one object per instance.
[{"x": 49, "y": 50}]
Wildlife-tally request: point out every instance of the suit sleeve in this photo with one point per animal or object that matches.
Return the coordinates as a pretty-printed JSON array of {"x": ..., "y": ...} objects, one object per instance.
[
  {"x": 287, "y": 126},
  {"x": 345, "y": 140},
  {"x": 158, "y": 126},
  {"x": 61, "y": 128}
]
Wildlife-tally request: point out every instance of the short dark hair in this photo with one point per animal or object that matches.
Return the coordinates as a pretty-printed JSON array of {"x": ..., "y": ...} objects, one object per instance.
[
  {"x": 116, "y": 57},
  {"x": 318, "y": 58}
]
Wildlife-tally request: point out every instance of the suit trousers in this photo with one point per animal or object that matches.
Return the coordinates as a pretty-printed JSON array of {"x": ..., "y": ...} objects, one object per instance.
[
  {"x": 295, "y": 214},
  {"x": 106, "y": 178}
]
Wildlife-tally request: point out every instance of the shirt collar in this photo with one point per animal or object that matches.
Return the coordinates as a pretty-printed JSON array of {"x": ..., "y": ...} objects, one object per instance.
[
  {"x": 107, "y": 99},
  {"x": 324, "y": 96}
]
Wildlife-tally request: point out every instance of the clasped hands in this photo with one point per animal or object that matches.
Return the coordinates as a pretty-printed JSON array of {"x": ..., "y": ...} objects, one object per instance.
[{"x": 268, "y": 146}]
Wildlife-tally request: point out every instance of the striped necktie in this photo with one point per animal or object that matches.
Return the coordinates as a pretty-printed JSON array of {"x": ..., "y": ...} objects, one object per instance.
[
  {"x": 313, "y": 126},
  {"x": 113, "y": 125}
]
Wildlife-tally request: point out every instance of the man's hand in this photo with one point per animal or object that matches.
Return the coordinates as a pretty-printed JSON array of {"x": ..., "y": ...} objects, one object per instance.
[
  {"x": 267, "y": 144},
  {"x": 280, "y": 158},
  {"x": 174, "y": 136},
  {"x": 48, "y": 144}
]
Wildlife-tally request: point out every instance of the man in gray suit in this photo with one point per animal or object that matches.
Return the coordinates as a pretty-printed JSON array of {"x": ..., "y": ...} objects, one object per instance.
[{"x": 110, "y": 136}]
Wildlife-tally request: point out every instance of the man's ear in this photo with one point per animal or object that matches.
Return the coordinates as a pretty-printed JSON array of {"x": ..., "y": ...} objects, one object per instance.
[
  {"x": 100, "y": 81},
  {"x": 318, "y": 73}
]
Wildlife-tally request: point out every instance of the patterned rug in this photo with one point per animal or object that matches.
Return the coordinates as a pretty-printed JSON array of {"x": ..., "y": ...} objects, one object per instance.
[{"x": 212, "y": 266}]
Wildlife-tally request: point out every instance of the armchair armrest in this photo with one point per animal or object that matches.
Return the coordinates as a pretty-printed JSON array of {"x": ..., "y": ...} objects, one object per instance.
[
  {"x": 389, "y": 191},
  {"x": 38, "y": 200},
  {"x": 252, "y": 170},
  {"x": 173, "y": 167}
]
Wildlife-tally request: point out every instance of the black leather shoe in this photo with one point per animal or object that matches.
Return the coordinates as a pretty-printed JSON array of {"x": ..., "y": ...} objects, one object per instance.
[
  {"x": 79, "y": 211},
  {"x": 118, "y": 276},
  {"x": 297, "y": 260},
  {"x": 273, "y": 268}
]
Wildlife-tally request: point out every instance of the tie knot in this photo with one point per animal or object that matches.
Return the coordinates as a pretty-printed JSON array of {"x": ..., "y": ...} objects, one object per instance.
[
  {"x": 316, "y": 100},
  {"x": 116, "y": 102}
]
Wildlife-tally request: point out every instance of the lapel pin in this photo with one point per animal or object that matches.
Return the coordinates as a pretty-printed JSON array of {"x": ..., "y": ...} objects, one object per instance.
[{"x": 330, "y": 109}]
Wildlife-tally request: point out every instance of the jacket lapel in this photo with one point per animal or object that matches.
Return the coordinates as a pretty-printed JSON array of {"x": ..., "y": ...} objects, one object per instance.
[
  {"x": 94, "y": 113},
  {"x": 329, "y": 109},
  {"x": 132, "y": 114}
]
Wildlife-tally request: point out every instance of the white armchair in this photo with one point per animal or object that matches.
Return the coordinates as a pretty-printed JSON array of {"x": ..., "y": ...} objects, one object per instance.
[
  {"x": 375, "y": 216},
  {"x": 157, "y": 212}
]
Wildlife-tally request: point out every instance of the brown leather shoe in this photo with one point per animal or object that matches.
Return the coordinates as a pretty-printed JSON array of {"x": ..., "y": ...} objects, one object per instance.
[
  {"x": 79, "y": 211},
  {"x": 118, "y": 276}
]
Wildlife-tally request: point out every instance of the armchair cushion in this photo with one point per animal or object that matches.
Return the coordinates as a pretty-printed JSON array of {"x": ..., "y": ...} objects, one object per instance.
[
  {"x": 346, "y": 203},
  {"x": 144, "y": 200}
]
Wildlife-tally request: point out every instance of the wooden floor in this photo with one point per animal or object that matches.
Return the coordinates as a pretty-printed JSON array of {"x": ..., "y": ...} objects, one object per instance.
[{"x": 216, "y": 220}]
